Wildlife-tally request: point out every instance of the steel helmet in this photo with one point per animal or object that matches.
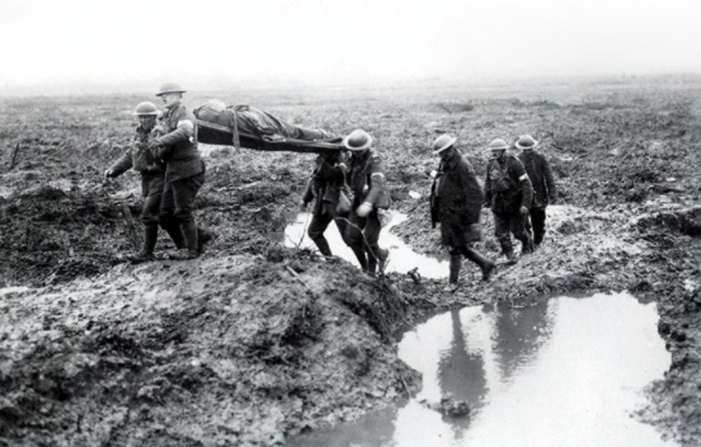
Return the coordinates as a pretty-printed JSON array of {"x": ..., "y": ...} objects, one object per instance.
[
  {"x": 442, "y": 143},
  {"x": 526, "y": 142},
  {"x": 146, "y": 108},
  {"x": 498, "y": 144},
  {"x": 358, "y": 140},
  {"x": 170, "y": 87}
]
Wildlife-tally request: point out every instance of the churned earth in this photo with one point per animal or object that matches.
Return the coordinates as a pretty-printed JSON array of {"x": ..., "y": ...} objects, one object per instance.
[{"x": 255, "y": 342}]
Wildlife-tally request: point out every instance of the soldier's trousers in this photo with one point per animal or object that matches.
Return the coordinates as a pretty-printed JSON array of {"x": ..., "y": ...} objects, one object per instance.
[
  {"x": 152, "y": 190},
  {"x": 177, "y": 215},
  {"x": 511, "y": 222},
  {"x": 362, "y": 236},
  {"x": 537, "y": 223},
  {"x": 319, "y": 224},
  {"x": 178, "y": 201}
]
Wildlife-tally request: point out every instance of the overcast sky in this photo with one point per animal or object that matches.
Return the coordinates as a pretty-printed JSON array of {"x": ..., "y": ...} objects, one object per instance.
[{"x": 44, "y": 43}]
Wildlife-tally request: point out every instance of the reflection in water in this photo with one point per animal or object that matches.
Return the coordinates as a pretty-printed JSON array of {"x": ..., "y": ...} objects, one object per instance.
[
  {"x": 461, "y": 372},
  {"x": 519, "y": 333},
  {"x": 566, "y": 372}
]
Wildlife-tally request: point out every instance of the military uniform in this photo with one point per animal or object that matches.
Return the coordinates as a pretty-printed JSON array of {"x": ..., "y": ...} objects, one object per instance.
[
  {"x": 456, "y": 203},
  {"x": 544, "y": 190},
  {"x": 152, "y": 173},
  {"x": 508, "y": 188},
  {"x": 184, "y": 173},
  {"x": 366, "y": 180},
  {"x": 324, "y": 188}
]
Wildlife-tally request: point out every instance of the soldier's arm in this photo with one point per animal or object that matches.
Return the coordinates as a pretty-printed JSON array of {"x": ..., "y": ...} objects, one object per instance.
[
  {"x": 487, "y": 189},
  {"x": 308, "y": 195},
  {"x": 184, "y": 130},
  {"x": 434, "y": 205},
  {"x": 339, "y": 171},
  {"x": 377, "y": 180},
  {"x": 124, "y": 163},
  {"x": 549, "y": 181},
  {"x": 524, "y": 183}
]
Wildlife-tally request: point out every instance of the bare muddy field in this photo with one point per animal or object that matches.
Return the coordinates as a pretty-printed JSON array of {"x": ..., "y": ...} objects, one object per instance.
[{"x": 258, "y": 341}]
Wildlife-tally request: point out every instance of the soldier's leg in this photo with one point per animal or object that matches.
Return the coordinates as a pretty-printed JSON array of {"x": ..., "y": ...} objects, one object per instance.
[
  {"x": 517, "y": 224},
  {"x": 152, "y": 190},
  {"x": 486, "y": 265},
  {"x": 184, "y": 194},
  {"x": 372, "y": 230},
  {"x": 317, "y": 227},
  {"x": 455, "y": 264},
  {"x": 166, "y": 217},
  {"x": 341, "y": 220},
  {"x": 538, "y": 221},
  {"x": 501, "y": 232},
  {"x": 355, "y": 239}
]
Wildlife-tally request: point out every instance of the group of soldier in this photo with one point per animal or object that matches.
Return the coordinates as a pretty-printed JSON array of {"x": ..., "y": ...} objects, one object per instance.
[
  {"x": 164, "y": 151},
  {"x": 517, "y": 190},
  {"x": 348, "y": 188}
]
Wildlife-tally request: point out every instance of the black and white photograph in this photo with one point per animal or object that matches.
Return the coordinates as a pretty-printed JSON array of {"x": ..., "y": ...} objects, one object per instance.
[{"x": 336, "y": 223}]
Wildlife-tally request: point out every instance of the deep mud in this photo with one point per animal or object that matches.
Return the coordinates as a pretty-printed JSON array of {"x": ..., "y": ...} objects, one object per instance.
[{"x": 255, "y": 342}]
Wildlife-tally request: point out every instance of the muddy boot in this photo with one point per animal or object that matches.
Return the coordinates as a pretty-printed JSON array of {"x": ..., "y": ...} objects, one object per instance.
[
  {"x": 362, "y": 259},
  {"x": 146, "y": 253},
  {"x": 487, "y": 266},
  {"x": 191, "y": 250},
  {"x": 526, "y": 246},
  {"x": 538, "y": 238},
  {"x": 383, "y": 254},
  {"x": 508, "y": 250},
  {"x": 203, "y": 237},
  {"x": 372, "y": 263},
  {"x": 175, "y": 233},
  {"x": 455, "y": 264},
  {"x": 323, "y": 246}
]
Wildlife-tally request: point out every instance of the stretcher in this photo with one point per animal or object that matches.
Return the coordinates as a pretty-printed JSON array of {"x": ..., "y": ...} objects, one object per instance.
[{"x": 245, "y": 126}]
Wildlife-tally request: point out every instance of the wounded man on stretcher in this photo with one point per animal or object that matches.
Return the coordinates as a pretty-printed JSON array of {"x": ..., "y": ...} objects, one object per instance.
[{"x": 253, "y": 128}]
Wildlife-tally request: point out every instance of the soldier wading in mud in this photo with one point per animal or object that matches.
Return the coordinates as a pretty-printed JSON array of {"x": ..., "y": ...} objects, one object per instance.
[
  {"x": 152, "y": 171},
  {"x": 456, "y": 203},
  {"x": 366, "y": 180},
  {"x": 184, "y": 172},
  {"x": 324, "y": 188},
  {"x": 544, "y": 190},
  {"x": 509, "y": 194}
]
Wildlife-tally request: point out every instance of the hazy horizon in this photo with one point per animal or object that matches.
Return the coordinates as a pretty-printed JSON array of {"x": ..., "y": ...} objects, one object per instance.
[{"x": 77, "y": 46}]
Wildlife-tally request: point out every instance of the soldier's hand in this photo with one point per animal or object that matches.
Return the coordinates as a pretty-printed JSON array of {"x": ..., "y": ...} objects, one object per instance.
[
  {"x": 303, "y": 205},
  {"x": 154, "y": 144},
  {"x": 524, "y": 210},
  {"x": 364, "y": 209},
  {"x": 108, "y": 174}
]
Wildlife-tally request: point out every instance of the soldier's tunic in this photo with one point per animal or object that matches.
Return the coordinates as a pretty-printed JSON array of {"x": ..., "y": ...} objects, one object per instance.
[
  {"x": 456, "y": 202},
  {"x": 366, "y": 180},
  {"x": 324, "y": 188},
  {"x": 185, "y": 170},
  {"x": 151, "y": 169},
  {"x": 544, "y": 190},
  {"x": 507, "y": 189}
]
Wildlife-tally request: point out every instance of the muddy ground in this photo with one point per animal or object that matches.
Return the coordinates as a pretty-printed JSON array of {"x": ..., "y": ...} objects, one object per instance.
[{"x": 255, "y": 342}]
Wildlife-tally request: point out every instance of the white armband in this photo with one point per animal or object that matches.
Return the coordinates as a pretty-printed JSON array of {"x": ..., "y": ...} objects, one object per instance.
[
  {"x": 187, "y": 125},
  {"x": 523, "y": 177}
]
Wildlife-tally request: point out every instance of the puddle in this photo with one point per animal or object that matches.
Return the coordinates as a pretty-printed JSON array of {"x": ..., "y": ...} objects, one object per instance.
[
  {"x": 401, "y": 257},
  {"x": 567, "y": 372}
]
